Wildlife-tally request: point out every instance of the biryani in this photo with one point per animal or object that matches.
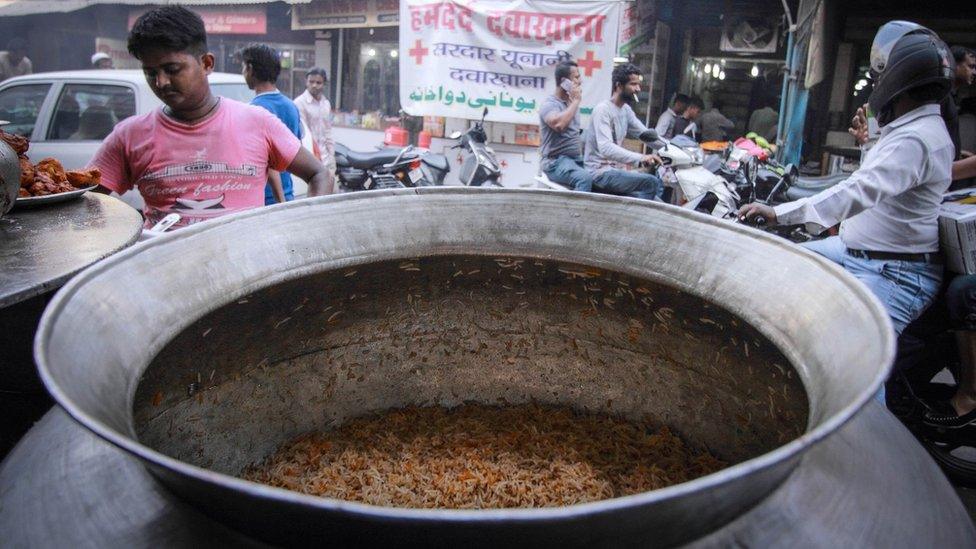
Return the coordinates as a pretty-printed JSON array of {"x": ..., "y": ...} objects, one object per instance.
[{"x": 482, "y": 457}]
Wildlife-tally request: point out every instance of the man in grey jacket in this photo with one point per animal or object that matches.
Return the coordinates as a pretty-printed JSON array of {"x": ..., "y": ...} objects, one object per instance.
[
  {"x": 714, "y": 125},
  {"x": 610, "y": 122}
]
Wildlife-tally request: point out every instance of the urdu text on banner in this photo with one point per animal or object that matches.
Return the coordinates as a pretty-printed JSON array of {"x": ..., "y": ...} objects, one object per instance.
[{"x": 458, "y": 57}]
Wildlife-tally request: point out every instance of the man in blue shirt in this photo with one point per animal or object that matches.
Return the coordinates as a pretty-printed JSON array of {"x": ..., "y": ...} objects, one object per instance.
[{"x": 261, "y": 68}]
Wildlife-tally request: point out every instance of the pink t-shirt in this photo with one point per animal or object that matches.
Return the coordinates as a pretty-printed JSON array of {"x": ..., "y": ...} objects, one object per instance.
[{"x": 203, "y": 171}]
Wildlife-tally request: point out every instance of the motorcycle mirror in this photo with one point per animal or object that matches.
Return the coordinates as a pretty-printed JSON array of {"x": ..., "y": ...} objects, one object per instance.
[
  {"x": 484, "y": 113},
  {"x": 649, "y": 136},
  {"x": 456, "y": 135}
]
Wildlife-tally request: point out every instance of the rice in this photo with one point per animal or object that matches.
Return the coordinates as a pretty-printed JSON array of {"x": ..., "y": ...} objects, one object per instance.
[{"x": 482, "y": 457}]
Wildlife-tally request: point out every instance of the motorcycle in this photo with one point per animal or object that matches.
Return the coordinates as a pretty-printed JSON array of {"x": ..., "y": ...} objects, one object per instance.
[
  {"x": 683, "y": 173},
  {"x": 389, "y": 168},
  {"x": 480, "y": 167}
]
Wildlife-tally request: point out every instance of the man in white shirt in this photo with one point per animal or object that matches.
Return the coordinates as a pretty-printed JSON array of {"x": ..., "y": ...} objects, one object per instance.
[
  {"x": 889, "y": 238},
  {"x": 665, "y": 122},
  {"x": 102, "y": 61},
  {"x": 316, "y": 112},
  {"x": 14, "y": 61}
]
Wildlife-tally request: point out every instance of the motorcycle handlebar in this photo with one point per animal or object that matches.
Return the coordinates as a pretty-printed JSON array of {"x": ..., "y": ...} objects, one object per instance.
[{"x": 757, "y": 221}]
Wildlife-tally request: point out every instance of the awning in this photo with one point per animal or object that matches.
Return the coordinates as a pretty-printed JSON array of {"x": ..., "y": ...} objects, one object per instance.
[{"x": 10, "y": 8}]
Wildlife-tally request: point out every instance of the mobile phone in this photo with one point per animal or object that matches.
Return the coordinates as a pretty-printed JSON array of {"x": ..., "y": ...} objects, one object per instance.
[{"x": 566, "y": 84}]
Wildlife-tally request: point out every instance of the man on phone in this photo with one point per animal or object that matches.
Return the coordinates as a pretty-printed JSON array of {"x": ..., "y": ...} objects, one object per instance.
[{"x": 562, "y": 148}]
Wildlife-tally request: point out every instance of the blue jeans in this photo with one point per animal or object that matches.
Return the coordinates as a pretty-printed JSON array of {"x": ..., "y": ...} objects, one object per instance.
[
  {"x": 569, "y": 172},
  {"x": 623, "y": 183},
  {"x": 905, "y": 288}
]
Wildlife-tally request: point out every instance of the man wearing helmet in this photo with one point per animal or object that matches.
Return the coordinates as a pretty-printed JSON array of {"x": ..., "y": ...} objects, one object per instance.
[{"x": 889, "y": 238}]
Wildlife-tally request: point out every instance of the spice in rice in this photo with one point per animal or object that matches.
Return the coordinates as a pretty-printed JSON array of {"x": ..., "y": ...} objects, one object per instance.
[{"x": 482, "y": 457}]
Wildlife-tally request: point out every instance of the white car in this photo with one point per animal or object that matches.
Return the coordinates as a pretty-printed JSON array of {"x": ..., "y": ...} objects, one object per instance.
[{"x": 67, "y": 114}]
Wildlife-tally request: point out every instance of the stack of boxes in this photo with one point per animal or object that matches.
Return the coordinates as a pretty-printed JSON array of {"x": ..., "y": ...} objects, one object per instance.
[{"x": 957, "y": 231}]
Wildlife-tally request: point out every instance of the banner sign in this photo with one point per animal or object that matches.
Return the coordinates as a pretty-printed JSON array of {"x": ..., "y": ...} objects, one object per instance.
[
  {"x": 458, "y": 57},
  {"x": 344, "y": 14},
  {"x": 636, "y": 22}
]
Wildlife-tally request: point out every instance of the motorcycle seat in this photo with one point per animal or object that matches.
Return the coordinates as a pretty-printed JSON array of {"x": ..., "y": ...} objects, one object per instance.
[
  {"x": 365, "y": 160},
  {"x": 820, "y": 182},
  {"x": 437, "y": 161}
]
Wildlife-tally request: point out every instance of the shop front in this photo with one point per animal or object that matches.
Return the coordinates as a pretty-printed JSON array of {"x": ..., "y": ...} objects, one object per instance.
[{"x": 360, "y": 40}]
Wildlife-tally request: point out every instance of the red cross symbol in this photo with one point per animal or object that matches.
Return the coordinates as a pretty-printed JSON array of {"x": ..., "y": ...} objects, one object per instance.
[
  {"x": 588, "y": 63},
  {"x": 419, "y": 51},
  {"x": 503, "y": 163}
]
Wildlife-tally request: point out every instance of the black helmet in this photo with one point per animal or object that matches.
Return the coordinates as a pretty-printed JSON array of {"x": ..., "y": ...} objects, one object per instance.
[
  {"x": 914, "y": 60},
  {"x": 885, "y": 39}
]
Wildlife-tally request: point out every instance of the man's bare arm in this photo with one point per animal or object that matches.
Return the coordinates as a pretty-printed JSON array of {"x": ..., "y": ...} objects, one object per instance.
[
  {"x": 306, "y": 166},
  {"x": 277, "y": 189}
]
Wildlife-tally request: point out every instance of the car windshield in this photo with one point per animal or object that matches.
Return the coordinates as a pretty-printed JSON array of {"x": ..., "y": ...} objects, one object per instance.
[{"x": 237, "y": 91}]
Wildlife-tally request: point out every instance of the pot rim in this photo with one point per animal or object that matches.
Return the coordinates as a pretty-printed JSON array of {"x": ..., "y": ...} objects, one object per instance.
[{"x": 779, "y": 455}]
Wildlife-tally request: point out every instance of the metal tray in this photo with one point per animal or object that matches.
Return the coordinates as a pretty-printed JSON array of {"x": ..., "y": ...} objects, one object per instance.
[{"x": 34, "y": 201}]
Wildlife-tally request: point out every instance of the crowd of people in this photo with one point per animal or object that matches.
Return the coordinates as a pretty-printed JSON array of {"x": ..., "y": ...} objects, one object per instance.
[
  {"x": 595, "y": 159},
  {"x": 687, "y": 116},
  {"x": 202, "y": 157},
  {"x": 887, "y": 210}
]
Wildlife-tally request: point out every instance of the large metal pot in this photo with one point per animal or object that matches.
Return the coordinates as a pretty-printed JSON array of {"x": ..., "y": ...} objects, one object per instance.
[{"x": 201, "y": 351}]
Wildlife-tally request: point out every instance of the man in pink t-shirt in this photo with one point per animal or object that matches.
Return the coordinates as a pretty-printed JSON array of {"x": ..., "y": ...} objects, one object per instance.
[{"x": 200, "y": 156}]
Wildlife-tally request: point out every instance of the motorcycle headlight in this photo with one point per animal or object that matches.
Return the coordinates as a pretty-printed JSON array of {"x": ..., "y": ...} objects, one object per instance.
[{"x": 696, "y": 153}]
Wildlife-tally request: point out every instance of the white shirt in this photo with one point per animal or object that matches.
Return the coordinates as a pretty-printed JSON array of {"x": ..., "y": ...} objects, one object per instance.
[
  {"x": 665, "y": 121},
  {"x": 891, "y": 203},
  {"x": 316, "y": 113},
  {"x": 9, "y": 70}
]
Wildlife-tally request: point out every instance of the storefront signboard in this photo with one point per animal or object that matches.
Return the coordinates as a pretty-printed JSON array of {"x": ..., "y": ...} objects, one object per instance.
[
  {"x": 118, "y": 51},
  {"x": 250, "y": 20},
  {"x": 337, "y": 14},
  {"x": 458, "y": 57},
  {"x": 636, "y": 22}
]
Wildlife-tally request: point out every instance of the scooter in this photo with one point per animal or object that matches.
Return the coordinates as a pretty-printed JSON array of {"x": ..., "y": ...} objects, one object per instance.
[
  {"x": 389, "y": 168},
  {"x": 480, "y": 167},
  {"x": 682, "y": 172}
]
